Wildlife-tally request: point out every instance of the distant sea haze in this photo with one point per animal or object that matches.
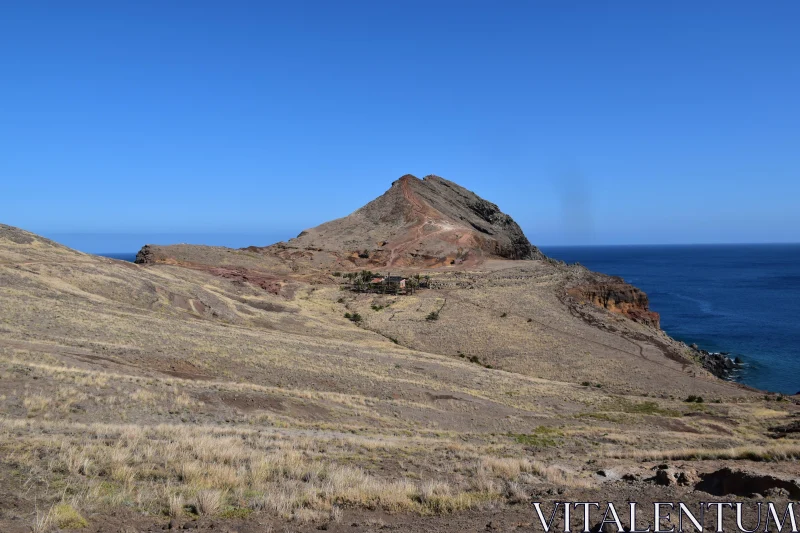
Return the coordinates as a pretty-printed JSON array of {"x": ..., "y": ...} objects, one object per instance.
[{"x": 740, "y": 299}]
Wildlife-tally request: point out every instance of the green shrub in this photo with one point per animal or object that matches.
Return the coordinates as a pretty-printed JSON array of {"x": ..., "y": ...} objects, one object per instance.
[
  {"x": 67, "y": 517},
  {"x": 433, "y": 315}
]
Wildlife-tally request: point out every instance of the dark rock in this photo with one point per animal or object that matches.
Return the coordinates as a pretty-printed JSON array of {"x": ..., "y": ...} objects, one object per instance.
[
  {"x": 663, "y": 477},
  {"x": 145, "y": 256},
  {"x": 719, "y": 364},
  {"x": 741, "y": 483},
  {"x": 601, "y": 527}
]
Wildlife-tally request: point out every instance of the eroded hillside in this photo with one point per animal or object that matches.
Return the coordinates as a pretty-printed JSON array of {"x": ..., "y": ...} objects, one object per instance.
[{"x": 136, "y": 395}]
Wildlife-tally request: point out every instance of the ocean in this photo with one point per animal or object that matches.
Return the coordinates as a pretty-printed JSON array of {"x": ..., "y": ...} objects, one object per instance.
[
  {"x": 121, "y": 256},
  {"x": 740, "y": 299}
]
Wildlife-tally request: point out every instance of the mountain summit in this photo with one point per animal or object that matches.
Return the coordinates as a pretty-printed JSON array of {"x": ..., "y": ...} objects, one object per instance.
[{"x": 429, "y": 221}]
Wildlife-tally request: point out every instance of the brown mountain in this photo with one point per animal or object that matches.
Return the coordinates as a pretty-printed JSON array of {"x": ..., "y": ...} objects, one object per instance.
[
  {"x": 426, "y": 222},
  {"x": 416, "y": 224}
]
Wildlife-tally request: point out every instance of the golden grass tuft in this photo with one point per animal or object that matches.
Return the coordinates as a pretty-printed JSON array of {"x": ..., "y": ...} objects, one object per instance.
[
  {"x": 42, "y": 521},
  {"x": 175, "y": 505},
  {"x": 66, "y": 516},
  {"x": 209, "y": 502}
]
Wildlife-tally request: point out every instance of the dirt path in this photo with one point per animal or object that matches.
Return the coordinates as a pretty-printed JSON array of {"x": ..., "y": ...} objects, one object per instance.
[{"x": 423, "y": 211}]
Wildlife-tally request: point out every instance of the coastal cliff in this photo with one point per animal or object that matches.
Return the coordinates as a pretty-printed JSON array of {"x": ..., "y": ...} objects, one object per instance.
[{"x": 615, "y": 295}]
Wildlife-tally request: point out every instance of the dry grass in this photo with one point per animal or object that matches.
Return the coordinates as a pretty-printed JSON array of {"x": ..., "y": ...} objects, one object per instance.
[
  {"x": 505, "y": 467},
  {"x": 559, "y": 476},
  {"x": 774, "y": 452},
  {"x": 42, "y": 521},
  {"x": 209, "y": 502},
  {"x": 283, "y": 476},
  {"x": 175, "y": 505},
  {"x": 116, "y": 395},
  {"x": 298, "y": 478}
]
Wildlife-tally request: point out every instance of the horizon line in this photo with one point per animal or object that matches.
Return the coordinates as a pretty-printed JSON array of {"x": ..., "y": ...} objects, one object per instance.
[{"x": 624, "y": 245}]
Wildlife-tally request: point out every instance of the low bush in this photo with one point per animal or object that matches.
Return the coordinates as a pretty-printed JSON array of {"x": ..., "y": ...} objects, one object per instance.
[{"x": 67, "y": 517}]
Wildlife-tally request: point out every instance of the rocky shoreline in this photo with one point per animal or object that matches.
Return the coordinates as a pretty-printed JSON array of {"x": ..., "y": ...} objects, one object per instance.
[{"x": 718, "y": 363}]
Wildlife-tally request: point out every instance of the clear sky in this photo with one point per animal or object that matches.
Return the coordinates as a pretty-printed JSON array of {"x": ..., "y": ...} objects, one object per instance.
[{"x": 588, "y": 122}]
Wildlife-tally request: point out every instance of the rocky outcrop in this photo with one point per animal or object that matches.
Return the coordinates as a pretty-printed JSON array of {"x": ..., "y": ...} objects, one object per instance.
[
  {"x": 717, "y": 363},
  {"x": 667, "y": 476},
  {"x": 145, "y": 256},
  {"x": 422, "y": 222},
  {"x": 617, "y": 296},
  {"x": 728, "y": 481}
]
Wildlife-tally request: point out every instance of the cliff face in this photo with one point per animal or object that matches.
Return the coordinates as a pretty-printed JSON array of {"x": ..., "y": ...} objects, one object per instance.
[
  {"x": 422, "y": 222},
  {"x": 617, "y": 296}
]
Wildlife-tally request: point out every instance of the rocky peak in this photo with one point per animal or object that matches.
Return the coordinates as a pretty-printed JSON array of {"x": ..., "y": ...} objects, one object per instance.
[{"x": 429, "y": 221}]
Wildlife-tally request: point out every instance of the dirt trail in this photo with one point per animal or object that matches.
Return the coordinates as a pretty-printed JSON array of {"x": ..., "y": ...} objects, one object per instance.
[{"x": 425, "y": 217}]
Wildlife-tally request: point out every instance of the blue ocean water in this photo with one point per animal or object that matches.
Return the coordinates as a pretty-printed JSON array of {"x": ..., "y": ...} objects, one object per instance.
[
  {"x": 122, "y": 257},
  {"x": 742, "y": 299}
]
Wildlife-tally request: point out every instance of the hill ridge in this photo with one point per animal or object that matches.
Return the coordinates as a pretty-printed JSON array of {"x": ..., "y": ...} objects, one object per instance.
[{"x": 423, "y": 222}]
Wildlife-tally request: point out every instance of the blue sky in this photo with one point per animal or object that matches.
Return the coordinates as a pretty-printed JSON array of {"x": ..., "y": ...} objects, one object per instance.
[{"x": 592, "y": 122}]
